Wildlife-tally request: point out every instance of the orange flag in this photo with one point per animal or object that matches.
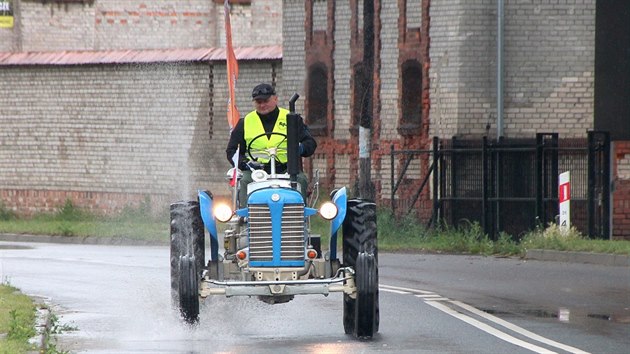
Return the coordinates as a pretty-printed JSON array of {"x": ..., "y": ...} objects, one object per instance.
[
  {"x": 232, "y": 69},
  {"x": 232, "y": 75}
]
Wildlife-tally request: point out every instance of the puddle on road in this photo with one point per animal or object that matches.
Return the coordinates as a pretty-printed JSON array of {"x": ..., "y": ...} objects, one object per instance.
[
  {"x": 15, "y": 247},
  {"x": 565, "y": 315}
]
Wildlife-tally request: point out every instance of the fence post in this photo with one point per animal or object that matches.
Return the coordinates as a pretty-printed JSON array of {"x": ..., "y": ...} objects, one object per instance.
[
  {"x": 599, "y": 170},
  {"x": 540, "y": 214},
  {"x": 606, "y": 185},
  {"x": 484, "y": 186},
  {"x": 442, "y": 184},
  {"x": 391, "y": 154},
  {"x": 591, "y": 184},
  {"x": 554, "y": 174},
  {"x": 436, "y": 205}
]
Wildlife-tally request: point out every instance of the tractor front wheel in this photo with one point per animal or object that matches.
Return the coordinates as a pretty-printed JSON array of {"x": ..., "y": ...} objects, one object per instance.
[
  {"x": 188, "y": 290},
  {"x": 187, "y": 245},
  {"x": 360, "y": 252}
]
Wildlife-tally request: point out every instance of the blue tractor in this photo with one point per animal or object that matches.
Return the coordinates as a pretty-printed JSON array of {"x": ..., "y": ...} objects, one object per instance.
[{"x": 267, "y": 249}]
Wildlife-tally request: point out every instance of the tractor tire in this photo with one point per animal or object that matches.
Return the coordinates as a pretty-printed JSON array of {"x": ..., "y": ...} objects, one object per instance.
[
  {"x": 360, "y": 236},
  {"x": 188, "y": 289},
  {"x": 187, "y": 239},
  {"x": 366, "y": 310}
]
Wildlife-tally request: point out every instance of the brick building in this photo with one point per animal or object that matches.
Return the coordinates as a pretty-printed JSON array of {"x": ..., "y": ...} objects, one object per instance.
[
  {"x": 434, "y": 74},
  {"x": 435, "y": 65},
  {"x": 109, "y": 103}
]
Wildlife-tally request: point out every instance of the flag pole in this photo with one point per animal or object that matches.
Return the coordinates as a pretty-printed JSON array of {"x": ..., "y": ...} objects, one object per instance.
[{"x": 233, "y": 114}]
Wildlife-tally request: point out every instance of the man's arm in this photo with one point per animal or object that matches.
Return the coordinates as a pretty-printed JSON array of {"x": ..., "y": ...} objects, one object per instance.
[
  {"x": 307, "y": 142},
  {"x": 237, "y": 138}
]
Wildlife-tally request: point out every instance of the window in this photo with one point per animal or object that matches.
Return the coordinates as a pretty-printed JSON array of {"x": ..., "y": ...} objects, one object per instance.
[
  {"x": 411, "y": 100},
  {"x": 317, "y": 99}
]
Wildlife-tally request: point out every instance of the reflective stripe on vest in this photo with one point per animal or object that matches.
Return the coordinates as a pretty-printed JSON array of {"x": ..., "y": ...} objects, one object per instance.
[{"x": 253, "y": 127}]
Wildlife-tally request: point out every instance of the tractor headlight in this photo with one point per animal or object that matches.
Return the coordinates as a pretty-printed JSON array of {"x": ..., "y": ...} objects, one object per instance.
[
  {"x": 328, "y": 210},
  {"x": 222, "y": 212}
]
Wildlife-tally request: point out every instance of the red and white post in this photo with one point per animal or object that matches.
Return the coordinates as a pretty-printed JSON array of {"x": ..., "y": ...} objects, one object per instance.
[{"x": 564, "y": 199}]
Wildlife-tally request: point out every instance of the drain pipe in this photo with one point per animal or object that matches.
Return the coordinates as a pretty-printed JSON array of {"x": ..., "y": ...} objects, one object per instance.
[{"x": 500, "y": 18}]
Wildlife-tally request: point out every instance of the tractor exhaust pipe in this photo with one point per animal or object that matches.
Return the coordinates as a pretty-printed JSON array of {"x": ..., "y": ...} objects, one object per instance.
[{"x": 294, "y": 125}]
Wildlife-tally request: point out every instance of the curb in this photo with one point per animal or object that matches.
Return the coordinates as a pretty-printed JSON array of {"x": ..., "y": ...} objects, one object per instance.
[
  {"x": 617, "y": 260},
  {"x": 42, "y": 328},
  {"x": 86, "y": 240}
]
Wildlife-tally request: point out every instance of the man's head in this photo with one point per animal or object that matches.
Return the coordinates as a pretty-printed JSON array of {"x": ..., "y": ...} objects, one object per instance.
[{"x": 264, "y": 97}]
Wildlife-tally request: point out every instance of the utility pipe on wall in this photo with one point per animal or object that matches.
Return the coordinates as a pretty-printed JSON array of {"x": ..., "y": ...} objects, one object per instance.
[{"x": 500, "y": 18}]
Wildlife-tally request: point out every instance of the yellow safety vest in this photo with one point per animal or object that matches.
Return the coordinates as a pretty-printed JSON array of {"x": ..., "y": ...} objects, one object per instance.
[{"x": 253, "y": 127}]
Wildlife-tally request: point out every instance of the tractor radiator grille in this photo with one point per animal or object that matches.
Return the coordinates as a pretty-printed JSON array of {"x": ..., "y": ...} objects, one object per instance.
[{"x": 292, "y": 234}]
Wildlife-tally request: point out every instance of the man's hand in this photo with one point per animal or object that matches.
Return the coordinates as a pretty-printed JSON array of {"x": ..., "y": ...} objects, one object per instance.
[{"x": 255, "y": 165}]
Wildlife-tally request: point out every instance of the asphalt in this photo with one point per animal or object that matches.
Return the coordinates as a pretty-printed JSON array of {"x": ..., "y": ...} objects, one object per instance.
[
  {"x": 43, "y": 316},
  {"x": 604, "y": 259}
]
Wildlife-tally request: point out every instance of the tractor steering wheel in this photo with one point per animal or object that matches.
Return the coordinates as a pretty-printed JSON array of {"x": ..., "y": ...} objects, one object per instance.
[{"x": 273, "y": 152}]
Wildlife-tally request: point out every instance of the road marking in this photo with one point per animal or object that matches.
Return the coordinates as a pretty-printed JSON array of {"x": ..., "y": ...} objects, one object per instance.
[
  {"x": 394, "y": 291},
  {"x": 437, "y": 301},
  {"x": 490, "y": 330},
  {"x": 426, "y": 296},
  {"x": 518, "y": 329},
  {"x": 414, "y": 291},
  {"x": 437, "y": 298}
]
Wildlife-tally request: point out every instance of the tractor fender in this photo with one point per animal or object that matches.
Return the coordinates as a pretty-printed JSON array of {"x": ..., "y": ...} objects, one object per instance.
[
  {"x": 340, "y": 198},
  {"x": 205, "y": 208}
]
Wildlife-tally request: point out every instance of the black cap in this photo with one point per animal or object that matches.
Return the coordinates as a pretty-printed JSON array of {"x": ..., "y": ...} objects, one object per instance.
[{"x": 262, "y": 92}]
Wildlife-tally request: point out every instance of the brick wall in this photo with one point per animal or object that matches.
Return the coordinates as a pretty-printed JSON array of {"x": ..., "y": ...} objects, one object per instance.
[
  {"x": 293, "y": 36},
  {"x": 621, "y": 192},
  {"x": 549, "y": 61},
  {"x": 389, "y": 74},
  {"x": 343, "y": 71},
  {"x": 49, "y": 27},
  {"x": 108, "y": 135},
  {"x": 338, "y": 151},
  {"x": 139, "y": 24}
]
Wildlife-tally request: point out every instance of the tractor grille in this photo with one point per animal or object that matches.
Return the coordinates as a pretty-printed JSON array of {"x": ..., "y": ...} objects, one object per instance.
[{"x": 260, "y": 236}]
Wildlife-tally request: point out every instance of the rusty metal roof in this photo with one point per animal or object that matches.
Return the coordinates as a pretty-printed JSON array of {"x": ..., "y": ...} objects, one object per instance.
[{"x": 137, "y": 56}]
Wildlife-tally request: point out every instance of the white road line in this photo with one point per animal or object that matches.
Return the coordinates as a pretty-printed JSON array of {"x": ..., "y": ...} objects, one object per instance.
[
  {"x": 439, "y": 298},
  {"x": 432, "y": 298},
  {"x": 394, "y": 291},
  {"x": 490, "y": 330},
  {"x": 427, "y": 296},
  {"x": 406, "y": 289},
  {"x": 518, "y": 329}
]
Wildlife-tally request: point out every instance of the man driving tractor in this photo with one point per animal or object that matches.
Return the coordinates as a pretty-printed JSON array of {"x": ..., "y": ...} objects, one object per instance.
[{"x": 266, "y": 118}]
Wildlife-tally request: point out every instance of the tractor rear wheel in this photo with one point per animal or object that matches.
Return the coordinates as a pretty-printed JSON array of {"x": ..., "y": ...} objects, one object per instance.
[{"x": 360, "y": 252}]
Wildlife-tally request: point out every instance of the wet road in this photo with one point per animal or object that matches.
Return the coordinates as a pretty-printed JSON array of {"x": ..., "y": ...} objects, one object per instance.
[{"x": 118, "y": 298}]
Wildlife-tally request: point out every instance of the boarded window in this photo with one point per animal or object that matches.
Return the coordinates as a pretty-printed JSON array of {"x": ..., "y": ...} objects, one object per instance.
[
  {"x": 612, "y": 72},
  {"x": 411, "y": 102},
  {"x": 317, "y": 100}
]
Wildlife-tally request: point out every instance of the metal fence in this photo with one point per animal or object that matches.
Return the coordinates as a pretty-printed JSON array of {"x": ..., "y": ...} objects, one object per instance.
[{"x": 510, "y": 185}]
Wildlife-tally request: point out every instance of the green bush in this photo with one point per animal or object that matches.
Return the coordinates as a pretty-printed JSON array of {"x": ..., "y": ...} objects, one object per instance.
[{"x": 6, "y": 214}]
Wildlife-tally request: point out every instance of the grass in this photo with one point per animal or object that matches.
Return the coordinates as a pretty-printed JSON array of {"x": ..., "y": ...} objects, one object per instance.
[
  {"x": 555, "y": 238},
  {"x": 394, "y": 235},
  {"x": 132, "y": 223},
  {"x": 17, "y": 311},
  {"x": 409, "y": 235},
  {"x": 54, "y": 328},
  {"x": 17, "y": 320}
]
